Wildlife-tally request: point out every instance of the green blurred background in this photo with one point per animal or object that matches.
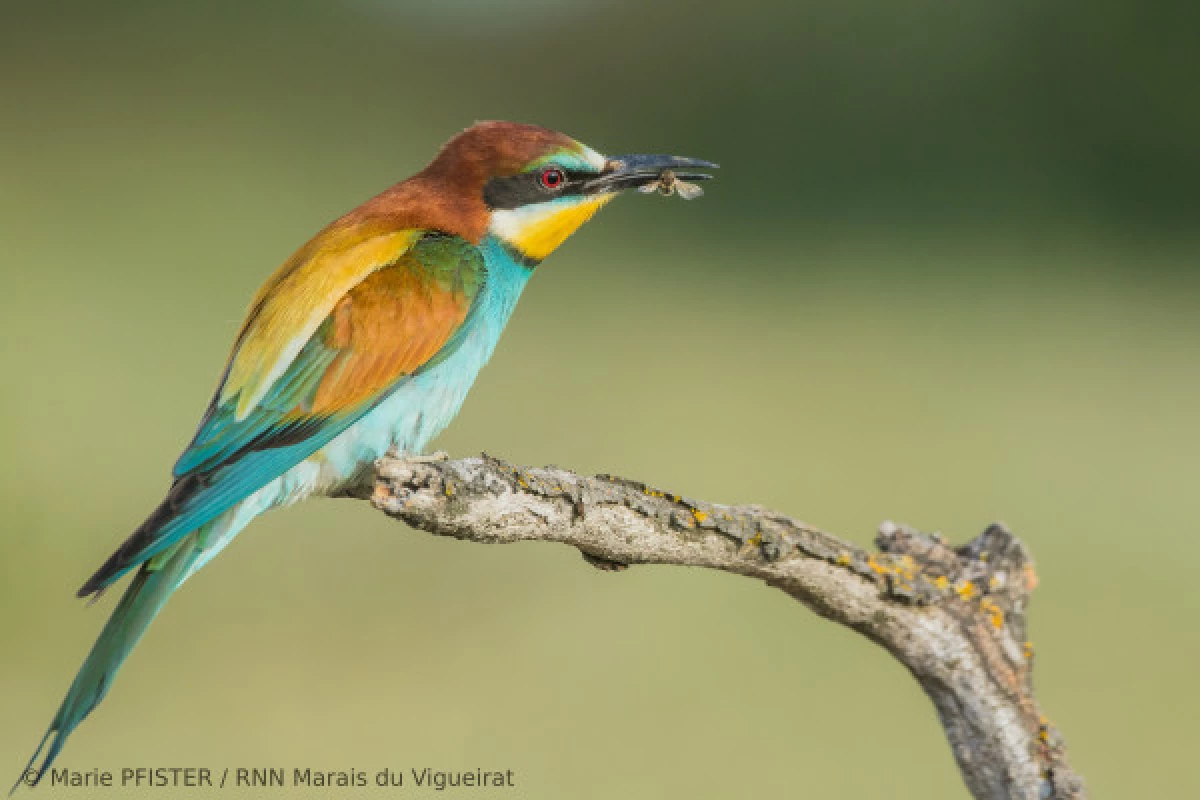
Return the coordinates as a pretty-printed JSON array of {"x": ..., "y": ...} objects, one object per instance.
[{"x": 947, "y": 276}]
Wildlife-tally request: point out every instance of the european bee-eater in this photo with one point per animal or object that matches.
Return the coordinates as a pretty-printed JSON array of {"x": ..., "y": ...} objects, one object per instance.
[{"x": 364, "y": 341}]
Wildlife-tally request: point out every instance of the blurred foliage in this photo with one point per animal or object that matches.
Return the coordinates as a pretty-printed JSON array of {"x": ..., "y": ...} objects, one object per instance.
[{"x": 946, "y": 276}]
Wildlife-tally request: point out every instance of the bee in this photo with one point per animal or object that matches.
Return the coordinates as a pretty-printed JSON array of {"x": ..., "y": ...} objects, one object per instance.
[{"x": 668, "y": 184}]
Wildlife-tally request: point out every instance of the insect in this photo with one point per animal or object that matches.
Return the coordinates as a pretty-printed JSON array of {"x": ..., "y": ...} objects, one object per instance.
[{"x": 668, "y": 184}]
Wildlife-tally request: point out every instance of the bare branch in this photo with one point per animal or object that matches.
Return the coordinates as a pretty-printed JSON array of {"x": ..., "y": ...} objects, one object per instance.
[{"x": 955, "y": 617}]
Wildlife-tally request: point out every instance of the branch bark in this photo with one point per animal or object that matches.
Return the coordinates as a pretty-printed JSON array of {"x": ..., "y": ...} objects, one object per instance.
[{"x": 954, "y": 616}]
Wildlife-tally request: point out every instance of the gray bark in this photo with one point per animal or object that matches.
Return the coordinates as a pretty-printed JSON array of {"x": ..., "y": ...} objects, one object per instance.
[{"x": 954, "y": 616}]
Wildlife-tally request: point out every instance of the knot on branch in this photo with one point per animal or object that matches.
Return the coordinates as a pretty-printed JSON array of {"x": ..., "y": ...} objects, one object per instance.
[{"x": 993, "y": 574}]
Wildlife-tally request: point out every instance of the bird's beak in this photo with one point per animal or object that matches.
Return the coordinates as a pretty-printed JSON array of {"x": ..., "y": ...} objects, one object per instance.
[{"x": 637, "y": 171}]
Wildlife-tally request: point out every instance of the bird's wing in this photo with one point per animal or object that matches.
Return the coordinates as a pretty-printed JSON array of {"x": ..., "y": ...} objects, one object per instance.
[
  {"x": 279, "y": 401},
  {"x": 296, "y": 300}
]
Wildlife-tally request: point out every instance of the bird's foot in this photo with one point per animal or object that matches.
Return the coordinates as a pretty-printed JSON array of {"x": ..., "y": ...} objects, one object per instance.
[{"x": 603, "y": 564}]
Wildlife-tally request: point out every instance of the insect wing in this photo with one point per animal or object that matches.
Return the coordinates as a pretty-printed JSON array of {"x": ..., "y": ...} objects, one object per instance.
[{"x": 688, "y": 191}]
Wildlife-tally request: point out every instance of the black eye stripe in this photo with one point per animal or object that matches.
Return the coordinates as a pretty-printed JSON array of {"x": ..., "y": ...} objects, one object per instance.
[{"x": 515, "y": 191}]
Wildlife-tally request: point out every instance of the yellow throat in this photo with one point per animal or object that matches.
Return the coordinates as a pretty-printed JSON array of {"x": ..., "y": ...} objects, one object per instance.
[{"x": 537, "y": 231}]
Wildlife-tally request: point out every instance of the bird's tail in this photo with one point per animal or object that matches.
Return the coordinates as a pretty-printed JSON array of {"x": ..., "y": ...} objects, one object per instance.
[{"x": 154, "y": 583}]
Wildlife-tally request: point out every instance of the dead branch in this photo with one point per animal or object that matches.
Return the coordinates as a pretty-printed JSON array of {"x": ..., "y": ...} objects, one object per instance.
[{"x": 954, "y": 616}]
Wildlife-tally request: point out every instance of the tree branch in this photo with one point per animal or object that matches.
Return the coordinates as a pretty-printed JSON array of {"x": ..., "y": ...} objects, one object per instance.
[{"x": 954, "y": 616}]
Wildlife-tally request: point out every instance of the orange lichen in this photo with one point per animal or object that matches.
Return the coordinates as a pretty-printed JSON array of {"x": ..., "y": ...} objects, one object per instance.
[
  {"x": 966, "y": 590},
  {"x": 941, "y": 582},
  {"x": 699, "y": 515},
  {"x": 1031, "y": 578},
  {"x": 876, "y": 567},
  {"x": 994, "y": 612},
  {"x": 843, "y": 559}
]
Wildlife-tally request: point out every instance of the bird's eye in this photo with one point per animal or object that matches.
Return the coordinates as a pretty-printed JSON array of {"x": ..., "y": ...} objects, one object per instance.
[{"x": 552, "y": 179}]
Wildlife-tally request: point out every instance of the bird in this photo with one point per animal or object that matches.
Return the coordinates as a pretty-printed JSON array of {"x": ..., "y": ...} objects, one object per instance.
[{"x": 365, "y": 341}]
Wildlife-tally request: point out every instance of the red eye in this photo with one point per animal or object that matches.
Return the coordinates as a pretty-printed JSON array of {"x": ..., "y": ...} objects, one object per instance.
[{"x": 553, "y": 178}]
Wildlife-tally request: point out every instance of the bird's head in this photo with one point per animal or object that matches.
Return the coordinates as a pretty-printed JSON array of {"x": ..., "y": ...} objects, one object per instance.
[{"x": 533, "y": 187}]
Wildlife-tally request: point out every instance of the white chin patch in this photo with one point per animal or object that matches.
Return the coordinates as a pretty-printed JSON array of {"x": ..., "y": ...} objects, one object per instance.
[
  {"x": 537, "y": 230},
  {"x": 512, "y": 224}
]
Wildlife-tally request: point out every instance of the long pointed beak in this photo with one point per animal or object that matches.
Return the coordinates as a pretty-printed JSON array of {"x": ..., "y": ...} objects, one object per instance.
[{"x": 636, "y": 171}]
